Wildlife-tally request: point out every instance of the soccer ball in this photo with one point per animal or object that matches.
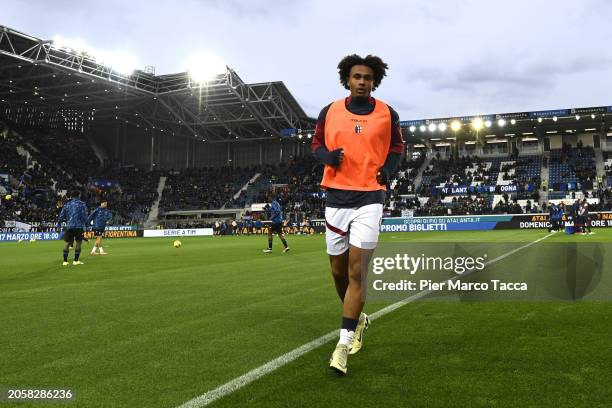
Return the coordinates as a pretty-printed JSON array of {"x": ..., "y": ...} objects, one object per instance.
[
  {"x": 8, "y": 197},
  {"x": 177, "y": 243}
]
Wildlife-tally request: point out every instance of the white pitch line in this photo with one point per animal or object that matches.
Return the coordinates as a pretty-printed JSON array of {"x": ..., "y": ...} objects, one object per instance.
[{"x": 247, "y": 378}]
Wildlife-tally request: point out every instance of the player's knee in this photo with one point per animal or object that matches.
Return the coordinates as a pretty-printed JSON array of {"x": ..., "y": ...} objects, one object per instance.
[{"x": 339, "y": 272}]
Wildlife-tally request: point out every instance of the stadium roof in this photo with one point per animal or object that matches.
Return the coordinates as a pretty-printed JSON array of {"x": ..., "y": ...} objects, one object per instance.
[
  {"x": 44, "y": 83},
  {"x": 597, "y": 119}
]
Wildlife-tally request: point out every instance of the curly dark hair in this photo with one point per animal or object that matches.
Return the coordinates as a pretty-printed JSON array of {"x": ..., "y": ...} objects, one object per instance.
[{"x": 376, "y": 63}]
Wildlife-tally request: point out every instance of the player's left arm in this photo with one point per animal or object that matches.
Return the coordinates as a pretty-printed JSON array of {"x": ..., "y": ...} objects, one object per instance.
[
  {"x": 93, "y": 214},
  {"x": 396, "y": 148}
]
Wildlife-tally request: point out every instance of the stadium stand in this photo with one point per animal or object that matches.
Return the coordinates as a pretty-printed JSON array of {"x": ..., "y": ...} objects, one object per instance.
[
  {"x": 42, "y": 165},
  {"x": 296, "y": 184},
  {"x": 571, "y": 170},
  {"x": 206, "y": 188}
]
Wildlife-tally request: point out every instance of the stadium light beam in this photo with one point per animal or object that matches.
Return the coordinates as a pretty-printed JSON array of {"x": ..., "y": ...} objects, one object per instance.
[
  {"x": 477, "y": 124},
  {"x": 121, "y": 62},
  {"x": 412, "y": 128},
  {"x": 513, "y": 121},
  {"x": 422, "y": 128},
  {"x": 442, "y": 127},
  {"x": 577, "y": 117},
  {"x": 501, "y": 123},
  {"x": 74, "y": 44},
  {"x": 203, "y": 68},
  {"x": 455, "y": 125},
  {"x": 432, "y": 127},
  {"x": 488, "y": 123}
]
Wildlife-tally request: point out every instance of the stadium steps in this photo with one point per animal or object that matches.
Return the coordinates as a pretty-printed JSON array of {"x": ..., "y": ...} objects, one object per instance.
[
  {"x": 244, "y": 188},
  {"x": 599, "y": 162},
  {"x": 419, "y": 177},
  {"x": 153, "y": 216},
  {"x": 100, "y": 154},
  {"x": 544, "y": 176},
  {"x": 260, "y": 184}
]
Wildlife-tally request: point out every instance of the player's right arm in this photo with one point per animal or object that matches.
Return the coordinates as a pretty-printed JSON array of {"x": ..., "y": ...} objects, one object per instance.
[
  {"x": 62, "y": 216},
  {"x": 318, "y": 148}
]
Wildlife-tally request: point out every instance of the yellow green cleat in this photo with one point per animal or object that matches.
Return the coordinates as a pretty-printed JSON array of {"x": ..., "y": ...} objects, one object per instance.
[
  {"x": 364, "y": 323},
  {"x": 338, "y": 359}
]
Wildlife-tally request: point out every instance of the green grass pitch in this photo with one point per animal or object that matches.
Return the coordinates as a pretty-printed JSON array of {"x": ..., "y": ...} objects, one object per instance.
[{"x": 154, "y": 326}]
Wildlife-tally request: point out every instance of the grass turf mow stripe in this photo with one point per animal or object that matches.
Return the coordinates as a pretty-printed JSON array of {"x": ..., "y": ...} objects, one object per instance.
[{"x": 251, "y": 376}]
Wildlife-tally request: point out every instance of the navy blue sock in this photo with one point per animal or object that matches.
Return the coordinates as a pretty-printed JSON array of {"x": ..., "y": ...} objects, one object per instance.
[
  {"x": 77, "y": 254},
  {"x": 65, "y": 255},
  {"x": 269, "y": 244},
  {"x": 349, "y": 324},
  {"x": 284, "y": 242}
]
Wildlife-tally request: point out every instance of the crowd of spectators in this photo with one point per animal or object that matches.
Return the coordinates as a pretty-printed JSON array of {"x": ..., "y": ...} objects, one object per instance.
[
  {"x": 456, "y": 171},
  {"x": 573, "y": 168},
  {"x": 39, "y": 166},
  {"x": 204, "y": 188},
  {"x": 296, "y": 185}
]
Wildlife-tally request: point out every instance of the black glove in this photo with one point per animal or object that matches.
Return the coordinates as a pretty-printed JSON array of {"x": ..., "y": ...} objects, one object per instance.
[
  {"x": 382, "y": 176},
  {"x": 335, "y": 157}
]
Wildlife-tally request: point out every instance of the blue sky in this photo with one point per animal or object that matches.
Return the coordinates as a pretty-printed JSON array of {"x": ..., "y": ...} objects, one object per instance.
[{"x": 446, "y": 58}]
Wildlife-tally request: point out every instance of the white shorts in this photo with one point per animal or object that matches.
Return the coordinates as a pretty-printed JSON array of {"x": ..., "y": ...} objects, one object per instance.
[{"x": 352, "y": 226}]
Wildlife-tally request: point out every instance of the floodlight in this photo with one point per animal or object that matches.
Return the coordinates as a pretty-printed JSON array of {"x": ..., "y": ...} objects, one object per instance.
[
  {"x": 412, "y": 128},
  {"x": 442, "y": 127},
  {"x": 455, "y": 125},
  {"x": 203, "y": 68},
  {"x": 432, "y": 127},
  {"x": 501, "y": 123},
  {"x": 422, "y": 128},
  {"x": 477, "y": 123}
]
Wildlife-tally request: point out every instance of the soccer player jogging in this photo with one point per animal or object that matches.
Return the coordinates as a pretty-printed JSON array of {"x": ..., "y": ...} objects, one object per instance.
[
  {"x": 100, "y": 216},
  {"x": 359, "y": 140},
  {"x": 275, "y": 213},
  {"x": 74, "y": 214}
]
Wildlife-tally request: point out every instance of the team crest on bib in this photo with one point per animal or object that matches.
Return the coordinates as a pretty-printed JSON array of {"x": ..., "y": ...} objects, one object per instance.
[{"x": 358, "y": 128}]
